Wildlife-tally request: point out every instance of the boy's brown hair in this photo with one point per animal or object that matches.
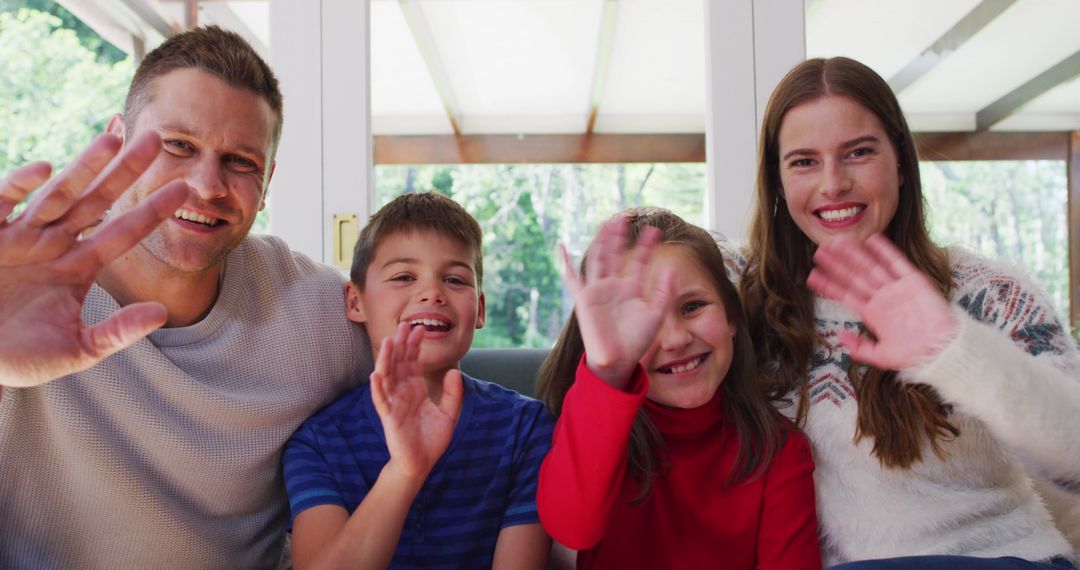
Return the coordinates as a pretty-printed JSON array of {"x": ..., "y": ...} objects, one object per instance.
[
  {"x": 219, "y": 52},
  {"x": 417, "y": 212}
]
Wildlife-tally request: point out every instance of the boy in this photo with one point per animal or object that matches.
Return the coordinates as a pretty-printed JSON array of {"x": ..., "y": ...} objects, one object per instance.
[{"x": 423, "y": 467}]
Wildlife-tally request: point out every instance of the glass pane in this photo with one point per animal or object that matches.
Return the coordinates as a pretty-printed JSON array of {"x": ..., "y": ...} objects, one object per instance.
[
  {"x": 525, "y": 210},
  {"x": 1015, "y": 211}
]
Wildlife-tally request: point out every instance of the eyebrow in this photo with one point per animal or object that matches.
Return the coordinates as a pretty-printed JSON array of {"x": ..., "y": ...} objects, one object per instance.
[
  {"x": 846, "y": 144},
  {"x": 407, "y": 260}
]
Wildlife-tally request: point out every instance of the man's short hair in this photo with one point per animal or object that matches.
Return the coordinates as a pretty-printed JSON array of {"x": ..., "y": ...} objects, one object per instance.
[
  {"x": 418, "y": 212},
  {"x": 214, "y": 50}
]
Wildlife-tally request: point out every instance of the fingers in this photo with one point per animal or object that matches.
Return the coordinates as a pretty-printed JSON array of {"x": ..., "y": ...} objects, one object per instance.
[
  {"x": 889, "y": 256},
  {"x": 570, "y": 276},
  {"x": 19, "y": 184},
  {"x": 665, "y": 290},
  {"x": 63, "y": 191},
  {"x": 121, "y": 234},
  {"x": 452, "y": 393},
  {"x": 114, "y": 181},
  {"x": 606, "y": 250},
  {"x": 847, "y": 270},
  {"x": 639, "y": 256},
  {"x": 378, "y": 378},
  {"x": 122, "y": 329}
]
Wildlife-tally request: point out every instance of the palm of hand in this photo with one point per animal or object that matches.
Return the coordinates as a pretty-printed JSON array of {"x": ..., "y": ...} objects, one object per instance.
[
  {"x": 909, "y": 316},
  {"x": 46, "y": 269},
  {"x": 43, "y": 319},
  {"x": 417, "y": 431},
  {"x": 618, "y": 321}
]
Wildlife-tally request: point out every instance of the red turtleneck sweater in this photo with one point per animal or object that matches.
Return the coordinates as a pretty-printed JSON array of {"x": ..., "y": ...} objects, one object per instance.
[{"x": 692, "y": 518}]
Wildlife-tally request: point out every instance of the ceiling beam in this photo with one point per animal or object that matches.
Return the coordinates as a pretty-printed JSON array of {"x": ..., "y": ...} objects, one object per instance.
[
  {"x": 995, "y": 112},
  {"x": 993, "y": 145},
  {"x": 603, "y": 60},
  {"x": 538, "y": 149},
  {"x": 148, "y": 14},
  {"x": 975, "y": 20},
  {"x": 421, "y": 32}
]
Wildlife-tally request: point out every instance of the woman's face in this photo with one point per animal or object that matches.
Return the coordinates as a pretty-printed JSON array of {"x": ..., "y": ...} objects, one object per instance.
[{"x": 838, "y": 168}]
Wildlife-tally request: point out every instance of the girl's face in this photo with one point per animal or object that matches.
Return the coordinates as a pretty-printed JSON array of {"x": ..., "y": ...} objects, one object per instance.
[
  {"x": 838, "y": 168},
  {"x": 692, "y": 351}
]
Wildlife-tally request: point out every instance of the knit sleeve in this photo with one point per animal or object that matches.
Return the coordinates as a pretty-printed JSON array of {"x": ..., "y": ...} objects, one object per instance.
[
  {"x": 787, "y": 536},
  {"x": 1013, "y": 366},
  {"x": 309, "y": 479},
  {"x": 582, "y": 476},
  {"x": 534, "y": 441}
]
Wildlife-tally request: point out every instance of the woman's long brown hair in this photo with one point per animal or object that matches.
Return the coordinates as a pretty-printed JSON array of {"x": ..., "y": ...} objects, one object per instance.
[
  {"x": 759, "y": 427},
  {"x": 900, "y": 418}
]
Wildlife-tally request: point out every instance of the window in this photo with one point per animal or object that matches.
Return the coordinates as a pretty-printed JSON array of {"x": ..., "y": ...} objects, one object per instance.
[
  {"x": 1009, "y": 210},
  {"x": 525, "y": 210},
  {"x": 61, "y": 83}
]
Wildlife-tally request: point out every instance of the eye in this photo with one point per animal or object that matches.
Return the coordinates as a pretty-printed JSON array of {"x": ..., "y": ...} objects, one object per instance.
[
  {"x": 178, "y": 147},
  {"x": 692, "y": 307},
  {"x": 403, "y": 278},
  {"x": 861, "y": 152},
  {"x": 801, "y": 163},
  {"x": 455, "y": 280},
  {"x": 241, "y": 164}
]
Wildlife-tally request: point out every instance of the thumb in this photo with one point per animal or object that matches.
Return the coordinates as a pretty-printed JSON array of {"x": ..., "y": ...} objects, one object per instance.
[
  {"x": 862, "y": 349},
  {"x": 453, "y": 390},
  {"x": 122, "y": 329}
]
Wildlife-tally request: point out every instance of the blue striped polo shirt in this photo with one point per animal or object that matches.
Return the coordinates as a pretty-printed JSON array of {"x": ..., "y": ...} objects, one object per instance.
[{"x": 485, "y": 481}]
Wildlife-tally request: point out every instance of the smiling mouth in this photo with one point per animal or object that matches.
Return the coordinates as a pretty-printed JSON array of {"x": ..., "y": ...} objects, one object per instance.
[
  {"x": 841, "y": 214},
  {"x": 434, "y": 325},
  {"x": 683, "y": 366},
  {"x": 195, "y": 217}
]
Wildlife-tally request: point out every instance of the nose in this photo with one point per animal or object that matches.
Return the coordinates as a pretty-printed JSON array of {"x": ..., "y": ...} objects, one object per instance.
[
  {"x": 432, "y": 293},
  {"x": 207, "y": 178},
  {"x": 674, "y": 334},
  {"x": 836, "y": 181}
]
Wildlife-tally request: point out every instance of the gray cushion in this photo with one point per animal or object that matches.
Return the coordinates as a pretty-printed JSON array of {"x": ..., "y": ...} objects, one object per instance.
[{"x": 513, "y": 368}]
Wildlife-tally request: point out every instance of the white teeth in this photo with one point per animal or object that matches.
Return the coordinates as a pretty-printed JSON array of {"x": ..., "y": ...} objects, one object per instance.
[
  {"x": 838, "y": 215},
  {"x": 191, "y": 216},
  {"x": 429, "y": 322},
  {"x": 686, "y": 367}
]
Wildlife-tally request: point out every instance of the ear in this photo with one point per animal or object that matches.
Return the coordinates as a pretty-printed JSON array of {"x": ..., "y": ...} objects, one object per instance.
[
  {"x": 116, "y": 126},
  {"x": 354, "y": 303},
  {"x": 481, "y": 311},
  {"x": 266, "y": 188}
]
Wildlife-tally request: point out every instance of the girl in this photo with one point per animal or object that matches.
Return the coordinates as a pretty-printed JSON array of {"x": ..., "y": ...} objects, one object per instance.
[
  {"x": 942, "y": 381},
  {"x": 665, "y": 454}
]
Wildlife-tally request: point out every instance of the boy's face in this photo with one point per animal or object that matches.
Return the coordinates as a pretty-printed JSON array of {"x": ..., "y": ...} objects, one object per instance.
[{"x": 428, "y": 280}]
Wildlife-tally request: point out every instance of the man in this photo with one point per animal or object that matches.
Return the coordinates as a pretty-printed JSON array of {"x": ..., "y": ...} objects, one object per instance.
[{"x": 119, "y": 451}]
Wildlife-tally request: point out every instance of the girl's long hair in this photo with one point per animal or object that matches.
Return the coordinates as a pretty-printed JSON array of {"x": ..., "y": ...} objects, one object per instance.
[
  {"x": 760, "y": 429},
  {"x": 900, "y": 418}
]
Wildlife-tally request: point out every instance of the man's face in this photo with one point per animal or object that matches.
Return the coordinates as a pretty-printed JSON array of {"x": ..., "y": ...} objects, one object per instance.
[
  {"x": 428, "y": 280},
  {"x": 218, "y": 139}
]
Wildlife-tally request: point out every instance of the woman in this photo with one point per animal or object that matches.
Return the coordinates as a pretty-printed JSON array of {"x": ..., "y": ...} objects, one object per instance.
[{"x": 941, "y": 389}]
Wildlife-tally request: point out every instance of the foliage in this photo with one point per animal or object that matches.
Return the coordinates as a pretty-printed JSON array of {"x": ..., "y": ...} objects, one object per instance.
[
  {"x": 55, "y": 94},
  {"x": 1010, "y": 210},
  {"x": 103, "y": 50},
  {"x": 526, "y": 210}
]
